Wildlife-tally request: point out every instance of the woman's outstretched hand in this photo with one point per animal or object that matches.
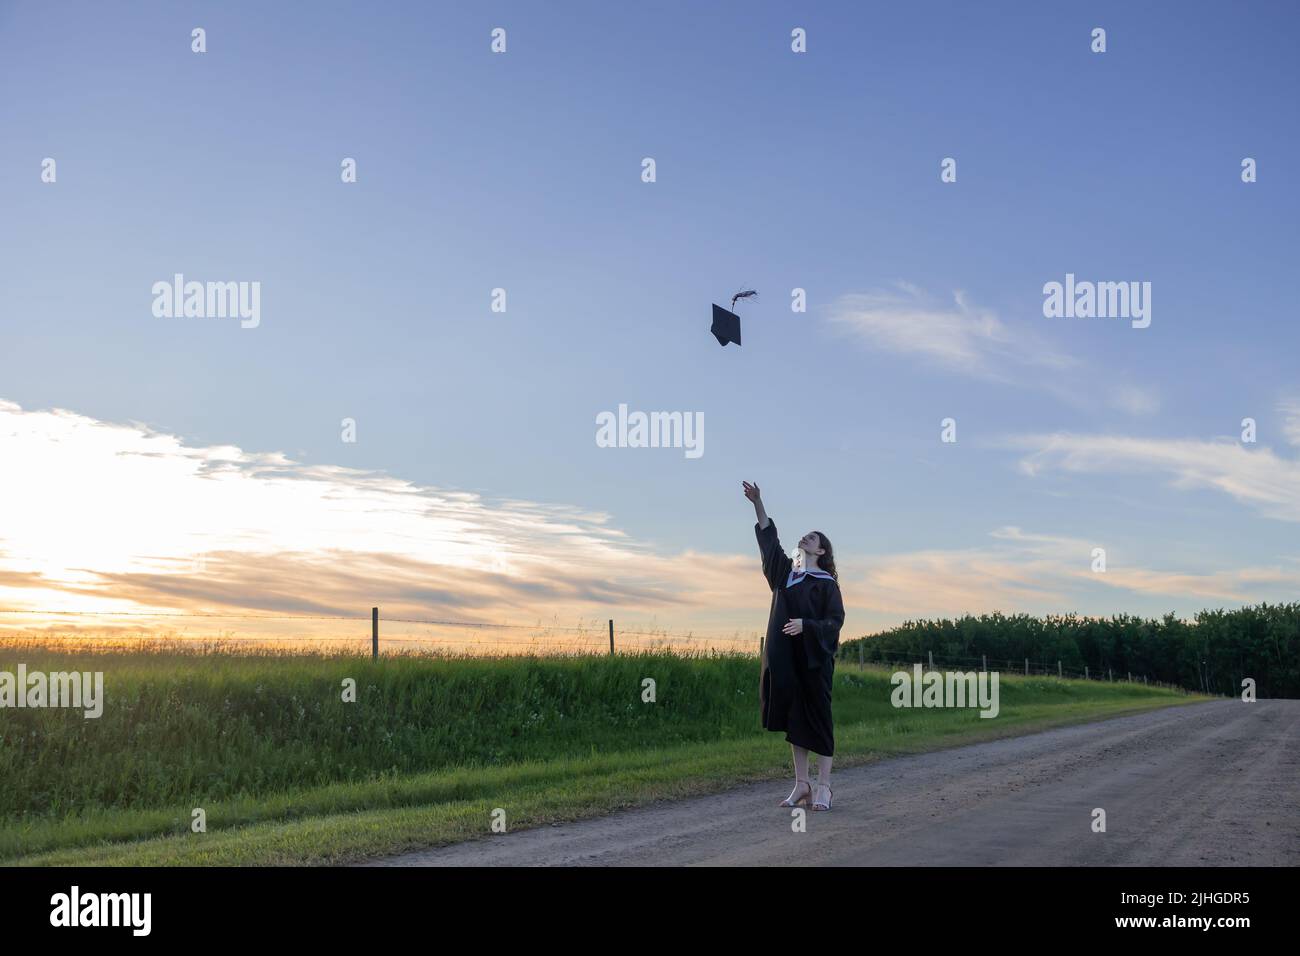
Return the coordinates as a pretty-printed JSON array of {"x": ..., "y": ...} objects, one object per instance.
[
  {"x": 754, "y": 495},
  {"x": 793, "y": 627}
]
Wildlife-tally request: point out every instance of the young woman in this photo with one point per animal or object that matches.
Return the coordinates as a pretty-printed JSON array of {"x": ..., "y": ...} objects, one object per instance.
[{"x": 803, "y": 634}]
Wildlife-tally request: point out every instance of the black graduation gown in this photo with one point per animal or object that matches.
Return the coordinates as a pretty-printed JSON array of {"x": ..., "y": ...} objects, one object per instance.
[{"x": 795, "y": 686}]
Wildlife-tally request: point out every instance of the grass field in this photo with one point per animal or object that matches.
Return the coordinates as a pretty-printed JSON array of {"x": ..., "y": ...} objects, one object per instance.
[{"x": 288, "y": 773}]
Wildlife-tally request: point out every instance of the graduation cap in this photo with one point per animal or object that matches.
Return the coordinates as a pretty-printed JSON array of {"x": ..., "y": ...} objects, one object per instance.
[{"x": 726, "y": 324}]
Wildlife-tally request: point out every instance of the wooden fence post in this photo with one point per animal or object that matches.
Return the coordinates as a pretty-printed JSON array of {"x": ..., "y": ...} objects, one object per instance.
[
  {"x": 1059, "y": 673},
  {"x": 611, "y": 636},
  {"x": 1026, "y": 666},
  {"x": 374, "y": 633},
  {"x": 1086, "y": 675},
  {"x": 985, "y": 659},
  {"x": 931, "y": 653}
]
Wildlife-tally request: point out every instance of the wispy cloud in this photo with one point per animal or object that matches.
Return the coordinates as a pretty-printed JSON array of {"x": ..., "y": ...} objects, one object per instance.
[
  {"x": 1135, "y": 399},
  {"x": 958, "y": 336},
  {"x": 122, "y": 517},
  {"x": 1289, "y": 409},
  {"x": 1018, "y": 570},
  {"x": 1254, "y": 476}
]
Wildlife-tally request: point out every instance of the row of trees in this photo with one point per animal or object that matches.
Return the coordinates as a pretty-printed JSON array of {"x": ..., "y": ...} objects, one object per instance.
[{"x": 1211, "y": 653}]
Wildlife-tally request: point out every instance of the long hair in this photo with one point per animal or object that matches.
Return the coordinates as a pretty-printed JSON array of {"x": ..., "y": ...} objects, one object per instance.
[{"x": 827, "y": 561}]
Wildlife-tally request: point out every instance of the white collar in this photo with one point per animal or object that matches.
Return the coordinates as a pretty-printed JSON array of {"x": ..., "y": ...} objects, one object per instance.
[{"x": 797, "y": 576}]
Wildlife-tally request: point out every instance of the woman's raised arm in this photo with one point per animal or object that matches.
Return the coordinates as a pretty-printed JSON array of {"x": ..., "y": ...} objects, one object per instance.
[{"x": 776, "y": 563}]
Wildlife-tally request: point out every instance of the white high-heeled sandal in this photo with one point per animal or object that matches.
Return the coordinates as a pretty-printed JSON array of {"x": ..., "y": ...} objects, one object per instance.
[
  {"x": 820, "y": 805},
  {"x": 787, "y": 802}
]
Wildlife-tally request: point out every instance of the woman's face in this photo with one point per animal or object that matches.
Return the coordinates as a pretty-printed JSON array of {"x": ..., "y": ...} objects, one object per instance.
[{"x": 812, "y": 543}]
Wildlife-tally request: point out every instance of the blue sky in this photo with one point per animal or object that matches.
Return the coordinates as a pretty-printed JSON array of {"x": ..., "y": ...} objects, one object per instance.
[{"x": 774, "y": 169}]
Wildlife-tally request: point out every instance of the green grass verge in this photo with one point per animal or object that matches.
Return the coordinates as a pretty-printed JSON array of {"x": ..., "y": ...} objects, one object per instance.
[{"x": 271, "y": 801}]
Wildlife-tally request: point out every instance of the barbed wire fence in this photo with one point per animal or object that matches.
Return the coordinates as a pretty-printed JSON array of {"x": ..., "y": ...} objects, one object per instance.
[
  {"x": 588, "y": 639},
  {"x": 1025, "y": 666},
  {"x": 592, "y": 638}
]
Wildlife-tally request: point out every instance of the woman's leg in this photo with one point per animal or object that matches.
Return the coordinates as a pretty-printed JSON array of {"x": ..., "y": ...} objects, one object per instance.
[
  {"x": 822, "y": 794},
  {"x": 800, "y": 762},
  {"x": 800, "y": 773},
  {"x": 823, "y": 770}
]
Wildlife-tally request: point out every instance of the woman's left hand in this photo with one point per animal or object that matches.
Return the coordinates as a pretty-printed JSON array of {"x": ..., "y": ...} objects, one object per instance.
[{"x": 793, "y": 627}]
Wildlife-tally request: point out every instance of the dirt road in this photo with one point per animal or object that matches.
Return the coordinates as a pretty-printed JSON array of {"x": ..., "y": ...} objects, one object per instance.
[{"x": 1213, "y": 784}]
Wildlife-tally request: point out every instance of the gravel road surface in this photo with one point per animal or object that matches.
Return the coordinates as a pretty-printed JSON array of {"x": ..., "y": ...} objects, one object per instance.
[{"x": 1212, "y": 784}]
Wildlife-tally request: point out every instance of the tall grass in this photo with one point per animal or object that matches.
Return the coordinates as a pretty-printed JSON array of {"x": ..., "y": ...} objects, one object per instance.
[{"x": 182, "y": 728}]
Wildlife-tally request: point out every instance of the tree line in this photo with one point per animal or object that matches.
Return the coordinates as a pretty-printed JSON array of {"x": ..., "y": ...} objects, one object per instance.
[{"x": 1213, "y": 652}]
